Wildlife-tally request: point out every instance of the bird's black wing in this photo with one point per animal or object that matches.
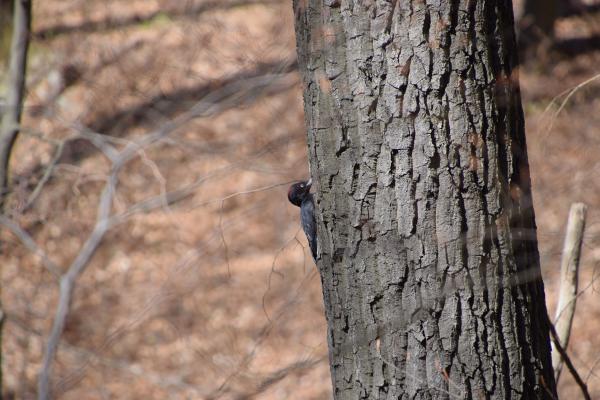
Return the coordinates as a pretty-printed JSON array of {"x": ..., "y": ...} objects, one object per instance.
[{"x": 307, "y": 216}]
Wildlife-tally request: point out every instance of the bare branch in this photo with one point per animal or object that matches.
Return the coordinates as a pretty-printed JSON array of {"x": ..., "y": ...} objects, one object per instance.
[
  {"x": 280, "y": 374},
  {"x": 567, "y": 360},
  {"x": 31, "y": 245},
  {"x": 168, "y": 198},
  {"x": 221, "y": 99},
  {"x": 69, "y": 279},
  {"x": 569, "y": 93},
  {"x": 167, "y": 382},
  {"x": 569, "y": 272},
  {"x": 45, "y": 178},
  {"x": 154, "y": 300}
]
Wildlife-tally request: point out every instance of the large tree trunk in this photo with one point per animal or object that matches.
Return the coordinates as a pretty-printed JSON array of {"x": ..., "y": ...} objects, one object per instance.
[{"x": 427, "y": 239}]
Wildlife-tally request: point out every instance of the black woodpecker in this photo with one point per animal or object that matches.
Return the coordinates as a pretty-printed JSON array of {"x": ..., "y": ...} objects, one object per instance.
[{"x": 300, "y": 196}]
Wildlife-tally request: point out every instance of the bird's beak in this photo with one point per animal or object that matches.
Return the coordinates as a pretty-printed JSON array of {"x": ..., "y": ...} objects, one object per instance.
[{"x": 309, "y": 183}]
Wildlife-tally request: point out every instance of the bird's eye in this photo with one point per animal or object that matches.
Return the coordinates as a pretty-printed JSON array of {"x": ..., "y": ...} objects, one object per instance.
[{"x": 302, "y": 185}]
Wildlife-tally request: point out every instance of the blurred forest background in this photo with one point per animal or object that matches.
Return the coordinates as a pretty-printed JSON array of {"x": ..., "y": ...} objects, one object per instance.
[{"x": 203, "y": 287}]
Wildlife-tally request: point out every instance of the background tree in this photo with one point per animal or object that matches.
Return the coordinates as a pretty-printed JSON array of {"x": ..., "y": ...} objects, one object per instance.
[
  {"x": 535, "y": 29},
  {"x": 428, "y": 248},
  {"x": 10, "y": 114},
  {"x": 538, "y": 19},
  {"x": 15, "y": 89}
]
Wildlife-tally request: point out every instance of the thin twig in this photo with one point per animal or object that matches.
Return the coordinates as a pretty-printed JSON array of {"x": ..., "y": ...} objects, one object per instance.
[
  {"x": 45, "y": 178},
  {"x": 167, "y": 382},
  {"x": 567, "y": 360},
  {"x": 273, "y": 271},
  {"x": 570, "y": 94},
  {"x": 224, "y": 387},
  {"x": 226, "y": 248},
  {"x": 569, "y": 272},
  {"x": 183, "y": 192},
  {"x": 280, "y": 374},
  {"x": 28, "y": 242}
]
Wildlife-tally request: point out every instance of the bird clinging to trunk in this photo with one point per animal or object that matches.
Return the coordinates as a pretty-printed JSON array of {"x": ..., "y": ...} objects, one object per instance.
[{"x": 300, "y": 196}]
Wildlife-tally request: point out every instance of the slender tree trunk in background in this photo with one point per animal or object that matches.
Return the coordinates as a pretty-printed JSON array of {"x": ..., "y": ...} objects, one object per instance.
[
  {"x": 11, "y": 112},
  {"x": 539, "y": 16},
  {"x": 427, "y": 239},
  {"x": 536, "y": 29},
  {"x": 15, "y": 88}
]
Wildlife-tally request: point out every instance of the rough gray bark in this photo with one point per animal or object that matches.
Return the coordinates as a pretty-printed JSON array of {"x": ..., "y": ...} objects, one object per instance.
[{"x": 427, "y": 239}]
